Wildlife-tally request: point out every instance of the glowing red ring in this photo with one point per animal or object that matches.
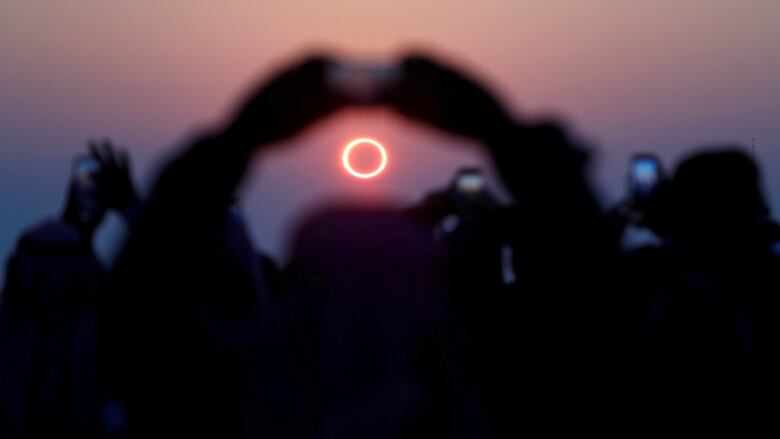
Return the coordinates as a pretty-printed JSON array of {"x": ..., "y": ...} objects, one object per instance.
[{"x": 351, "y": 145}]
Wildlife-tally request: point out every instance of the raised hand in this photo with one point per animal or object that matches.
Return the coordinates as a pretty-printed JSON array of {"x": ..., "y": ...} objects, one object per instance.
[
  {"x": 292, "y": 100},
  {"x": 101, "y": 181},
  {"x": 114, "y": 182},
  {"x": 438, "y": 95}
]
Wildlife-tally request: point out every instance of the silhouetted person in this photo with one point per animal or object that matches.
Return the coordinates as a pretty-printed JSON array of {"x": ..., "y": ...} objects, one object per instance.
[
  {"x": 556, "y": 348},
  {"x": 390, "y": 322},
  {"x": 179, "y": 373},
  {"x": 712, "y": 302},
  {"x": 635, "y": 216},
  {"x": 372, "y": 345},
  {"x": 556, "y": 342},
  {"x": 472, "y": 229},
  {"x": 47, "y": 318}
]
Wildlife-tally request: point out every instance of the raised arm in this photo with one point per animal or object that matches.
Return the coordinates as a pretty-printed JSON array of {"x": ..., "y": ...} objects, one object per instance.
[
  {"x": 540, "y": 163},
  {"x": 181, "y": 319}
]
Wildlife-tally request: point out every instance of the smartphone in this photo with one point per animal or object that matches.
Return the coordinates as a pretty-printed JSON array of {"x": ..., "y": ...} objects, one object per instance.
[
  {"x": 646, "y": 173},
  {"x": 85, "y": 171},
  {"x": 470, "y": 181},
  {"x": 89, "y": 207},
  {"x": 362, "y": 83}
]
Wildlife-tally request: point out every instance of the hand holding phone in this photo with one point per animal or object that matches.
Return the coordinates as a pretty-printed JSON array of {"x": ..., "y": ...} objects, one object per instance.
[{"x": 645, "y": 175}]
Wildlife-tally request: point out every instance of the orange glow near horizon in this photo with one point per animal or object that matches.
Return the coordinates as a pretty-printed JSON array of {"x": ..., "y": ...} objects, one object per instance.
[{"x": 345, "y": 158}]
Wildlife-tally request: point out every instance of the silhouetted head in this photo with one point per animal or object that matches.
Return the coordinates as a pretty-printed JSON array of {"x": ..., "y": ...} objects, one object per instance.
[
  {"x": 716, "y": 199},
  {"x": 360, "y": 257},
  {"x": 369, "y": 282}
]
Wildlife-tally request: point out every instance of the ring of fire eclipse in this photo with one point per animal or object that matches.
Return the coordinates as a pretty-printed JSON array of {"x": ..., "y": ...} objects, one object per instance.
[{"x": 351, "y": 145}]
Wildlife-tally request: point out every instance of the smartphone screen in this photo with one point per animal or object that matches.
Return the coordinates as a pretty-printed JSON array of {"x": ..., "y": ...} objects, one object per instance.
[
  {"x": 645, "y": 175},
  {"x": 470, "y": 182},
  {"x": 85, "y": 171}
]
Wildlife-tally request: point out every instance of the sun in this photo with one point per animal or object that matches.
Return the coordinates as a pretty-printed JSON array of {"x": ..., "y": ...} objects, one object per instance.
[{"x": 364, "y": 141}]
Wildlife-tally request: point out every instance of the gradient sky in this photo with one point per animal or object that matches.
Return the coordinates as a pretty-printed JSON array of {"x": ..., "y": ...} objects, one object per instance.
[{"x": 662, "y": 76}]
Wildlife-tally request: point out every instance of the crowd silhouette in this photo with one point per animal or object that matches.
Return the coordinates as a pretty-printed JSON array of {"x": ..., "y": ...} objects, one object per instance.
[{"x": 459, "y": 316}]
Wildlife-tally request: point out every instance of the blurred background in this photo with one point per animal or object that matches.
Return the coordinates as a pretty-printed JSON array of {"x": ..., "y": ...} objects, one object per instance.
[{"x": 662, "y": 76}]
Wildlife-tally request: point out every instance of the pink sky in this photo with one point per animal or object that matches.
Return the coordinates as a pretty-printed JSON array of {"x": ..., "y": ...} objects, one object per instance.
[{"x": 661, "y": 75}]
